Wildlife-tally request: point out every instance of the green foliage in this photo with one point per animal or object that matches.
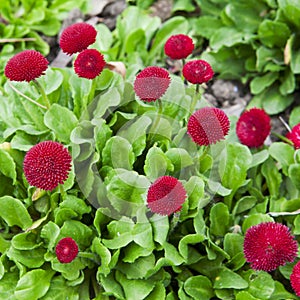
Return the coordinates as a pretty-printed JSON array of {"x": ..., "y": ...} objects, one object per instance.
[{"x": 125, "y": 251}]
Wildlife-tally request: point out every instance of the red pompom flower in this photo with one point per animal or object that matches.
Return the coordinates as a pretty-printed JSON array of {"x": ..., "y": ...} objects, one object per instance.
[
  {"x": 66, "y": 250},
  {"x": 295, "y": 278},
  {"x": 197, "y": 71},
  {"x": 77, "y": 37},
  {"x": 89, "y": 63},
  {"x": 179, "y": 46},
  {"x": 151, "y": 83},
  {"x": 46, "y": 165},
  {"x": 269, "y": 245},
  {"x": 294, "y": 136},
  {"x": 26, "y": 66},
  {"x": 166, "y": 195},
  {"x": 208, "y": 125},
  {"x": 253, "y": 127}
]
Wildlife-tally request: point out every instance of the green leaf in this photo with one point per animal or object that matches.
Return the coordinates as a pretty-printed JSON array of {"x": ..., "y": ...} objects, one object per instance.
[
  {"x": 206, "y": 25},
  {"x": 273, "y": 102},
  {"x": 262, "y": 285},
  {"x": 134, "y": 288},
  {"x": 186, "y": 252},
  {"x": 273, "y": 177},
  {"x": 104, "y": 255},
  {"x": 245, "y": 296},
  {"x": 199, "y": 287},
  {"x": 195, "y": 191},
  {"x": 135, "y": 132},
  {"x": 219, "y": 219},
  {"x": 33, "y": 285},
  {"x": 255, "y": 219},
  {"x": 283, "y": 153},
  {"x": 233, "y": 243},
  {"x": 7, "y": 166},
  {"x": 160, "y": 227},
  {"x": 13, "y": 212},
  {"x": 236, "y": 160},
  {"x": 273, "y": 33},
  {"x": 227, "y": 279},
  {"x": 125, "y": 191},
  {"x": 159, "y": 292},
  {"x": 294, "y": 173},
  {"x": 111, "y": 286},
  {"x": 59, "y": 289},
  {"x": 157, "y": 164},
  {"x": 259, "y": 83},
  {"x": 243, "y": 204},
  {"x": 61, "y": 121},
  {"x": 25, "y": 241},
  {"x": 118, "y": 153},
  {"x": 288, "y": 83},
  {"x": 291, "y": 11},
  {"x": 259, "y": 157},
  {"x": 8, "y": 284},
  {"x": 50, "y": 233},
  {"x": 294, "y": 118},
  {"x": 180, "y": 158},
  {"x": 227, "y": 37}
]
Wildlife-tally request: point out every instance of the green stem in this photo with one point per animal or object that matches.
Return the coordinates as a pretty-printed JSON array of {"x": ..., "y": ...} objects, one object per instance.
[
  {"x": 43, "y": 93},
  {"x": 283, "y": 138},
  {"x": 26, "y": 97},
  {"x": 62, "y": 192},
  {"x": 195, "y": 98},
  {"x": 174, "y": 221},
  {"x": 92, "y": 91}
]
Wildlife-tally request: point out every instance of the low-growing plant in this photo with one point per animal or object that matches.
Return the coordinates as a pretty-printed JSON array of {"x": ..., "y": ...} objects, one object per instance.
[{"x": 163, "y": 198}]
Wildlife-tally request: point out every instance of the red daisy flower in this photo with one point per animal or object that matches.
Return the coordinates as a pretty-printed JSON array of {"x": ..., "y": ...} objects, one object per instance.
[
  {"x": 26, "y": 66},
  {"x": 166, "y": 195},
  {"x": 295, "y": 279},
  {"x": 253, "y": 127},
  {"x": 46, "y": 165},
  {"x": 294, "y": 136},
  {"x": 151, "y": 83},
  {"x": 197, "y": 71},
  {"x": 77, "y": 37},
  {"x": 269, "y": 245},
  {"x": 89, "y": 63},
  {"x": 208, "y": 125},
  {"x": 179, "y": 46},
  {"x": 66, "y": 250}
]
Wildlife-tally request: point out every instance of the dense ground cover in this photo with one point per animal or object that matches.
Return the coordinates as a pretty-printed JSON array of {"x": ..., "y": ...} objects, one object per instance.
[{"x": 120, "y": 181}]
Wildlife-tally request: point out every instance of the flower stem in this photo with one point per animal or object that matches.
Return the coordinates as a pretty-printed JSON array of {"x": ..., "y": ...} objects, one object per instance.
[
  {"x": 92, "y": 256},
  {"x": 195, "y": 98},
  {"x": 26, "y": 97},
  {"x": 283, "y": 138},
  {"x": 43, "y": 93},
  {"x": 174, "y": 221}
]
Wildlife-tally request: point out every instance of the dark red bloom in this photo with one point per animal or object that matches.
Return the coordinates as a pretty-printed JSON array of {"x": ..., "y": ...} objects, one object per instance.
[
  {"x": 151, "y": 83},
  {"x": 66, "y": 250},
  {"x": 179, "y": 46},
  {"x": 46, "y": 165},
  {"x": 197, "y": 71},
  {"x": 253, "y": 127},
  {"x": 294, "y": 136},
  {"x": 295, "y": 278},
  {"x": 208, "y": 125},
  {"x": 89, "y": 63},
  {"x": 269, "y": 245},
  {"x": 166, "y": 195},
  {"x": 26, "y": 66},
  {"x": 77, "y": 37}
]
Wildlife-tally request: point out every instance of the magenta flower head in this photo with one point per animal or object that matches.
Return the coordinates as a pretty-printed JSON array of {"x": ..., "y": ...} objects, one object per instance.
[
  {"x": 89, "y": 63},
  {"x": 295, "y": 278},
  {"x": 253, "y": 127},
  {"x": 77, "y": 37},
  {"x": 166, "y": 195},
  {"x": 294, "y": 136},
  {"x": 197, "y": 71},
  {"x": 46, "y": 165},
  {"x": 179, "y": 46},
  {"x": 151, "y": 83},
  {"x": 269, "y": 245},
  {"x": 66, "y": 250},
  {"x": 208, "y": 125},
  {"x": 26, "y": 66}
]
